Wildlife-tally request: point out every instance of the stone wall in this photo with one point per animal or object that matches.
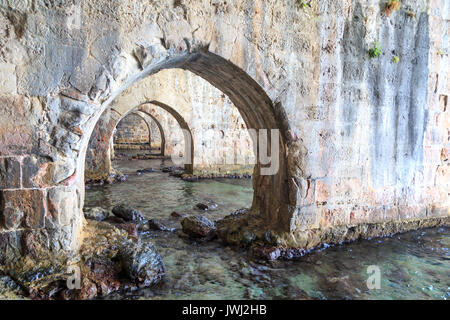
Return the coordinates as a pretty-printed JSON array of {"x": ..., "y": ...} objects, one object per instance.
[
  {"x": 381, "y": 135},
  {"x": 132, "y": 129},
  {"x": 362, "y": 140}
]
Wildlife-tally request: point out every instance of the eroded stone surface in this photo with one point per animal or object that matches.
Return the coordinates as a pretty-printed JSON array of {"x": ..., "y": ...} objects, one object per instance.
[
  {"x": 127, "y": 213},
  {"x": 23, "y": 209},
  {"x": 142, "y": 263},
  {"x": 96, "y": 213},
  {"x": 199, "y": 227},
  {"x": 9, "y": 173}
]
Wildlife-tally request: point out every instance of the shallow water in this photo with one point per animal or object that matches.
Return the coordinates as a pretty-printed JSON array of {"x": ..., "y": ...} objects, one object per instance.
[{"x": 413, "y": 265}]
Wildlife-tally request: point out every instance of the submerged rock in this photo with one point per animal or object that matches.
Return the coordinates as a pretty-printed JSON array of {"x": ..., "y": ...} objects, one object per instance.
[
  {"x": 116, "y": 177},
  {"x": 156, "y": 224},
  {"x": 206, "y": 206},
  {"x": 112, "y": 178},
  {"x": 189, "y": 177},
  {"x": 127, "y": 213},
  {"x": 140, "y": 171},
  {"x": 114, "y": 220},
  {"x": 266, "y": 253},
  {"x": 171, "y": 169},
  {"x": 199, "y": 227},
  {"x": 121, "y": 178},
  {"x": 176, "y": 215},
  {"x": 142, "y": 263},
  {"x": 96, "y": 213}
]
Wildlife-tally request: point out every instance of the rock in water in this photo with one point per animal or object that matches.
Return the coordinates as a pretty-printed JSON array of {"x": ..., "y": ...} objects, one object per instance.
[
  {"x": 202, "y": 206},
  {"x": 199, "y": 227},
  {"x": 172, "y": 169},
  {"x": 176, "y": 215},
  {"x": 206, "y": 206},
  {"x": 121, "y": 178},
  {"x": 266, "y": 253},
  {"x": 127, "y": 213},
  {"x": 156, "y": 224},
  {"x": 141, "y": 171},
  {"x": 97, "y": 213},
  {"x": 142, "y": 263}
]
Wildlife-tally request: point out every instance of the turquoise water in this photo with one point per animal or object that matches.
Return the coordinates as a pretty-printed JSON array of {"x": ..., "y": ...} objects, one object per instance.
[{"x": 414, "y": 265}]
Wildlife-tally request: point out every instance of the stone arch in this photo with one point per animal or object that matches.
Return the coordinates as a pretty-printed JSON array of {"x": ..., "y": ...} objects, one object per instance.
[
  {"x": 161, "y": 132},
  {"x": 72, "y": 116},
  {"x": 275, "y": 196},
  {"x": 187, "y": 133},
  {"x": 99, "y": 166},
  {"x": 100, "y": 149},
  {"x": 188, "y": 138}
]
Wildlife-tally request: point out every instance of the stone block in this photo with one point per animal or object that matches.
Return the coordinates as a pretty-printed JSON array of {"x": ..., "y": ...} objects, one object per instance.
[
  {"x": 9, "y": 173},
  {"x": 10, "y": 246},
  {"x": 37, "y": 172},
  {"x": 307, "y": 218},
  {"x": 335, "y": 217},
  {"x": 411, "y": 212},
  {"x": 63, "y": 205},
  {"x": 439, "y": 211},
  {"x": 322, "y": 192},
  {"x": 8, "y": 83},
  {"x": 16, "y": 125},
  {"x": 22, "y": 209},
  {"x": 359, "y": 215},
  {"x": 391, "y": 213},
  {"x": 376, "y": 214},
  {"x": 301, "y": 192},
  {"x": 346, "y": 189}
]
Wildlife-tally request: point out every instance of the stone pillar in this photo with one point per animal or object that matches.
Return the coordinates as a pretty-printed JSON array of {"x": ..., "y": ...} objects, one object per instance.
[
  {"x": 98, "y": 155},
  {"x": 37, "y": 220}
]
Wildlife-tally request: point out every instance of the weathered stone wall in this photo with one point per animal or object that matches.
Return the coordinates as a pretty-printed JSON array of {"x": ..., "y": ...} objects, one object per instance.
[
  {"x": 155, "y": 130},
  {"x": 381, "y": 135},
  {"x": 362, "y": 139},
  {"x": 132, "y": 129}
]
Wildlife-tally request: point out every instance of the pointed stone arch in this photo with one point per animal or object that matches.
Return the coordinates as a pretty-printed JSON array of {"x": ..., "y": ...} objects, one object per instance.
[
  {"x": 275, "y": 196},
  {"x": 187, "y": 133},
  {"x": 160, "y": 129}
]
